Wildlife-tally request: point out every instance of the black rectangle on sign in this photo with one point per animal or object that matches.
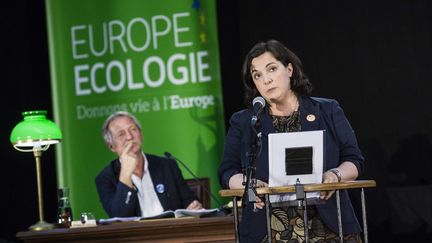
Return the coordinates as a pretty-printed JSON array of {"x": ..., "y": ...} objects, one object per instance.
[{"x": 298, "y": 161}]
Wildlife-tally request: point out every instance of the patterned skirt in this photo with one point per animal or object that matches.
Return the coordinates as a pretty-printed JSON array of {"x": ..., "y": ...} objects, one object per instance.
[{"x": 287, "y": 225}]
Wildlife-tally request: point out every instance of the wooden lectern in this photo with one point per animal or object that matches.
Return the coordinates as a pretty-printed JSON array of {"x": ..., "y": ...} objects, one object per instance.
[{"x": 303, "y": 189}]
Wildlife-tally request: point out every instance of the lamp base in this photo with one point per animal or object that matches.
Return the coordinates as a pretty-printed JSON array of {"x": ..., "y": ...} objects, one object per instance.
[{"x": 41, "y": 225}]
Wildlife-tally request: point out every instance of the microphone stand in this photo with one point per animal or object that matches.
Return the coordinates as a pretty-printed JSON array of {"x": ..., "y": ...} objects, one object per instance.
[
  {"x": 250, "y": 193},
  {"x": 170, "y": 156}
]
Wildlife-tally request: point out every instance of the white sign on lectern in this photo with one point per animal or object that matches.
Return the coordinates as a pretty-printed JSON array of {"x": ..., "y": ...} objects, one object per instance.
[{"x": 279, "y": 146}]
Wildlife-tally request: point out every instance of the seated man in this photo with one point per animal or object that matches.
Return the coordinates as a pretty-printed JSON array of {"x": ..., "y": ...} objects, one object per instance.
[{"x": 138, "y": 184}]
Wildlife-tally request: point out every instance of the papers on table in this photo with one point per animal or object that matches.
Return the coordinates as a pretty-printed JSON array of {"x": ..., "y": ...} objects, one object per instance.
[{"x": 166, "y": 214}]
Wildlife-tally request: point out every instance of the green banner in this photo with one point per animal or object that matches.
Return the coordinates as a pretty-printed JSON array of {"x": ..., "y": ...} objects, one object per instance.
[{"x": 156, "y": 59}]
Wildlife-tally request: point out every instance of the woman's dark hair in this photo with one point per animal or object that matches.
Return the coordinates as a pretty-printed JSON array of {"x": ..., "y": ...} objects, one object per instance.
[{"x": 299, "y": 82}]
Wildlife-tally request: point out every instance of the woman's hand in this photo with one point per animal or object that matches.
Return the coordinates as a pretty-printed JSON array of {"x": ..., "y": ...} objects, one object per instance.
[
  {"x": 347, "y": 172},
  {"x": 328, "y": 177},
  {"x": 236, "y": 182},
  {"x": 259, "y": 202}
]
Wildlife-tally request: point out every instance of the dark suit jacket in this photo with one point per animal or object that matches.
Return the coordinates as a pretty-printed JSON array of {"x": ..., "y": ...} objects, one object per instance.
[
  {"x": 340, "y": 145},
  {"x": 119, "y": 200}
]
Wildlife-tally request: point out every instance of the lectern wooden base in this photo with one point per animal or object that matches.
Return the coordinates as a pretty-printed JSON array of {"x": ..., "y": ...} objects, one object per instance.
[{"x": 266, "y": 191}]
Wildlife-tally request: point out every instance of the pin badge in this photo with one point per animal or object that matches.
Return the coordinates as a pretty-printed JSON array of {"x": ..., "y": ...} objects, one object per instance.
[
  {"x": 160, "y": 188},
  {"x": 310, "y": 117}
]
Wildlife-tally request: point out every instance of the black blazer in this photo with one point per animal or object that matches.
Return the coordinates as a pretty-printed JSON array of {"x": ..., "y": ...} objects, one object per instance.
[
  {"x": 340, "y": 145},
  {"x": 119, "y": 200}
]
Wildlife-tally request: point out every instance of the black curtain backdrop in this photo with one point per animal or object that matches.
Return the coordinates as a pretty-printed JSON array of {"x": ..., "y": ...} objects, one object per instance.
[{"x": 373, "y": 57}]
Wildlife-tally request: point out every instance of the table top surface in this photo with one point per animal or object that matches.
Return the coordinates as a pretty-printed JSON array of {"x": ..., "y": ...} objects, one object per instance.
[{"x": 184, "y": 223}]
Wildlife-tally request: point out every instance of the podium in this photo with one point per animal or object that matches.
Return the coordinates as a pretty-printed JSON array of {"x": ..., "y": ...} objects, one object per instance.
[{"x": 301, "y": 191}]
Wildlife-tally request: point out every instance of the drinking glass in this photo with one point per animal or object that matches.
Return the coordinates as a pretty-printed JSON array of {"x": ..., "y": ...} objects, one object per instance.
[{"x": 88, "y": 218}]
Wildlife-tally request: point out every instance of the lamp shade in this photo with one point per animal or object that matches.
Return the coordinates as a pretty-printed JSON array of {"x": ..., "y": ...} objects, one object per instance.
[{"x": 35, "y": 129}]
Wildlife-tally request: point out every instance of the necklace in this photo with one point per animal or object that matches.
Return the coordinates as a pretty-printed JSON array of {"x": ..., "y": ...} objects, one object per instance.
[{"x": 289, "y": 123}]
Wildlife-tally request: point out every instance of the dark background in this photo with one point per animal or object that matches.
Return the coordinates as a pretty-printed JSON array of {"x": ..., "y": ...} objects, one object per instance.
[{"x": 373, "y": 57}]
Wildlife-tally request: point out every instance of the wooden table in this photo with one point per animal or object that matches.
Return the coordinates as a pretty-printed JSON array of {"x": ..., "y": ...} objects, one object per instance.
[{"x": 212, "y": 229}]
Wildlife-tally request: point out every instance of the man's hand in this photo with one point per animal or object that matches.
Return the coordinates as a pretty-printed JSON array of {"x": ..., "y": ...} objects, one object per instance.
[
  {"x": 194, "y": 205},
  {"x": 128, "y": 163}
]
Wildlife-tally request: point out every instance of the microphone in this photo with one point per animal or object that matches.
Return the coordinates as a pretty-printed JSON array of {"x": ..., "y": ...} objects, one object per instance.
[
  {"x": 258, "y": 104},
  {"x": 170, "y": 156}
]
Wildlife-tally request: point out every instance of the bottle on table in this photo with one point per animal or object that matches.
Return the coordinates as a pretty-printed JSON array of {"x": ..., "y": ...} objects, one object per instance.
[{"x": 64, "y": 215}]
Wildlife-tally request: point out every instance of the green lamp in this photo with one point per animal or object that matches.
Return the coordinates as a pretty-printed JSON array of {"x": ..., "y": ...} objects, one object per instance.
[{"x": 35, "y": 134}]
